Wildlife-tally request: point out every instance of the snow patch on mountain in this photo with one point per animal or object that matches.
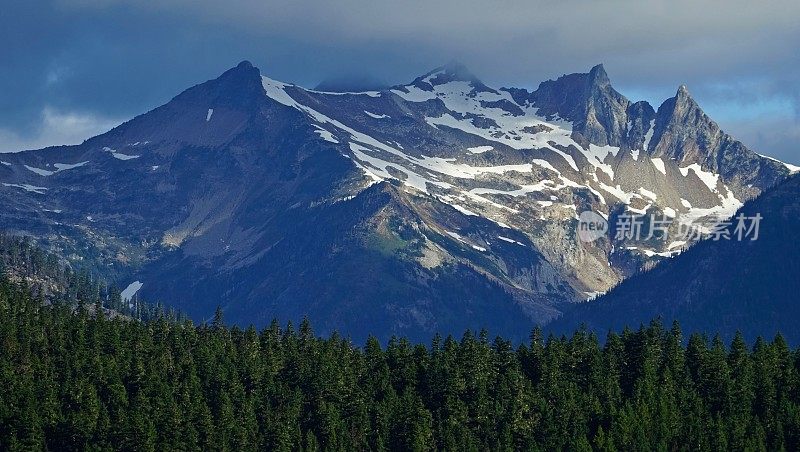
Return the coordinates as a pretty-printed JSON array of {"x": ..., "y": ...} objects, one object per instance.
[
  {"x": 597, "y": 156},
  {"x": 708, "y": 178},
  {"x": 376, "y": 115},
  {"x": 130, "y": 291},
  {"x": 27, "y": 187},
  {"x": 277, "y": 91},
  {"x": 39, "y": 171},
  {"x": 68, "y": 166},
  {"x": 326, "y": 135},
  {"x": 346, "y": 93},
  {"x": 464, "y": 210},
  {"x": 414, "y": 94},
  {"x": 647, "y": 193},
  {"x": 509, "y": 240},
  {"x": 480, "y": 149},
  {"x": 792, "y": 168},
  {"x": 58, "y": 168},
  {"x": 649, "y": 135},
  {"x": 659, "y": 164},
  {"x": 119, "y": 155},
  {"x": 702, "y": 217}
]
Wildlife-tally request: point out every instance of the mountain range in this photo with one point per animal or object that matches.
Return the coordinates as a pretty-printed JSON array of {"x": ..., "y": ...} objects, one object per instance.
[{"x": 434, "y": 206}]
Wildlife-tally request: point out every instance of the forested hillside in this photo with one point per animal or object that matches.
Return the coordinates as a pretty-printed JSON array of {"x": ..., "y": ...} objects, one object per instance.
[
  {"x": 50, "y": 280},
  {"x": 72, "y": 380}
]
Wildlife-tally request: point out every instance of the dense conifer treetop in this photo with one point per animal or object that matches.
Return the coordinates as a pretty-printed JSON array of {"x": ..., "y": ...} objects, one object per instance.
[{"x": 71, "y": 378}]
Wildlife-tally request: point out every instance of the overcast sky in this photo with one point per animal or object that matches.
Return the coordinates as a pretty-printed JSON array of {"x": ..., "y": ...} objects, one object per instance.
[{"x": 72, "y": 69}]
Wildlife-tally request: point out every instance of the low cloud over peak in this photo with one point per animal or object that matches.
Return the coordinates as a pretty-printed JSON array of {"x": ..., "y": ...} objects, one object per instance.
[{"x": 117, "y": 58}]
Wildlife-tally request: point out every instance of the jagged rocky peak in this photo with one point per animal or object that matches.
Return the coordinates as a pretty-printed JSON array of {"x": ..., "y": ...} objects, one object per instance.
[
  {"x": 606, "y": 112},
  {"x": 242, "y": 150},
  {"x": 598, "y": 76},
  {"x": 685, "y": 108},
  {"x": 598, "y": 112},
  {"x": 683, "y": 131},
  {"x": 563, "y": 97}
]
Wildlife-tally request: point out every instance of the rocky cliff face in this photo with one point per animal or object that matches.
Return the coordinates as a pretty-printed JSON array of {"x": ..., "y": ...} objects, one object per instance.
[
  {"x": 716, "y": 286},
  {"x": 597, "y": 111},
  {"x": 438, "y": 205}
]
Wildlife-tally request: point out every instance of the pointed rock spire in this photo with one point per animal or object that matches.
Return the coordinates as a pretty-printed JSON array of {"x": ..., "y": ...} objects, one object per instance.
[
  {"x": 684, "y": 132},
  {"x": 683, "y": 98},
  {"x": 598, "y": 76},
  {"x": 596, "y": 109}
]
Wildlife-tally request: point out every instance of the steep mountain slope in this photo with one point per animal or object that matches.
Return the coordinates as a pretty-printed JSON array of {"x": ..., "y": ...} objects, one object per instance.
[
  {"x": 438, "y": 205},
  {"x": 372, "y": 263},
  {"x": 724, "y": 285}
]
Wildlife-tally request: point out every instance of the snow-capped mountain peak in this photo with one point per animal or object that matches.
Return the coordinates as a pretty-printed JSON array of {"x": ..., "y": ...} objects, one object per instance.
[
  {"x": 504, "y": 154},
  {"x": 442, "y": 173}
]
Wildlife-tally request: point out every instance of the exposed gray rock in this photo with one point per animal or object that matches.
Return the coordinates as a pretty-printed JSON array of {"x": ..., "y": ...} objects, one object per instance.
[{"x": 443, "y": 204}]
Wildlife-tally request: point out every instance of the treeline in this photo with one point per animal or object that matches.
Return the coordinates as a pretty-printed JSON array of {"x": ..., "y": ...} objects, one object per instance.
[
  {"x": 20, "y": 258},
  {"x": 75, "y": 380},
  {"x": 51, "y": 280}
]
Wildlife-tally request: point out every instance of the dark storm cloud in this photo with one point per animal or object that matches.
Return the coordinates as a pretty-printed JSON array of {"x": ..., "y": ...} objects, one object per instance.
[{"x": 105, "y": 60}]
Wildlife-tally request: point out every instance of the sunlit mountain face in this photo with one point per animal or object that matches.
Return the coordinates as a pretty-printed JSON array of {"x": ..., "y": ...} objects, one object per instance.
[{"x": 439, "y": 205}]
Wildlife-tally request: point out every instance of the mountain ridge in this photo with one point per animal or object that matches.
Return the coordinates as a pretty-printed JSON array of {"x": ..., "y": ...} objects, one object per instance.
[
  {"x": 194, "y": 197},
  {"x": 727, "y": 285}
]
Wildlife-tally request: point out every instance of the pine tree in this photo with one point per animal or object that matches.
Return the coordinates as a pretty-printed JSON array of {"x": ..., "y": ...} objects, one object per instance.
[{"x": 72, "y": 378}]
